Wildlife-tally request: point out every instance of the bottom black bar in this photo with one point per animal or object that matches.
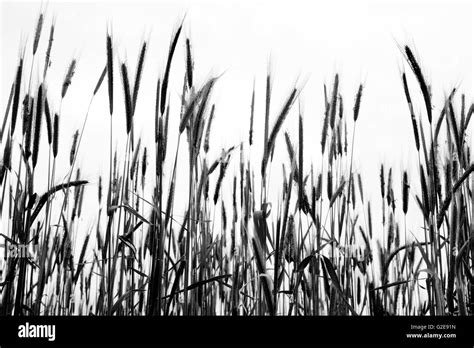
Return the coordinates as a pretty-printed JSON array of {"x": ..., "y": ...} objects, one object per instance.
[{"x": 236, "y": 331}]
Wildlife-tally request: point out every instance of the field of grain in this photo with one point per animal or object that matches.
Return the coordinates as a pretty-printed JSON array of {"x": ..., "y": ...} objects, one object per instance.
[{"x": 305, "y": 245}]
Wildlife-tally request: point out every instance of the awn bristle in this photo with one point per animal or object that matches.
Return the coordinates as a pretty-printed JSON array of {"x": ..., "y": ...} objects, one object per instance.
[{"x": 99, "y": 82}]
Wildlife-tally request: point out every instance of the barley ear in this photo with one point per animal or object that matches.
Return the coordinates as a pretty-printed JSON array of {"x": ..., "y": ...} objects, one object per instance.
[
  {"x": 38, "y": 122},
  {"x": 39, "y": 27},
  {"x": 110, "y": 73},
  {"x": 68, "y": 79},
  {"x": 16, "y": 95}
]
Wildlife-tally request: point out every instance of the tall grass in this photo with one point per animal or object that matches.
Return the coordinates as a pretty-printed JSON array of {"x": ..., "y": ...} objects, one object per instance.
[{"x": 314, "y": 250}]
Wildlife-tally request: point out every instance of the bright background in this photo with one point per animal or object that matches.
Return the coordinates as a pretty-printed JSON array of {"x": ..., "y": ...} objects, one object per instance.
[{"x": 311, "y": 40}]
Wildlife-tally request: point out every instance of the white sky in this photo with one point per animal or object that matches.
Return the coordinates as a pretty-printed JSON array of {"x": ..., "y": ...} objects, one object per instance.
[{"x": 310, "y": 39}]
